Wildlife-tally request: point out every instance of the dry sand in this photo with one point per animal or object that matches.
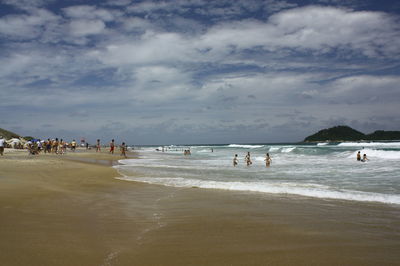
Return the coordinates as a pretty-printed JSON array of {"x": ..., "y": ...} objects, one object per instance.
[{"x": 71, "y": 210}]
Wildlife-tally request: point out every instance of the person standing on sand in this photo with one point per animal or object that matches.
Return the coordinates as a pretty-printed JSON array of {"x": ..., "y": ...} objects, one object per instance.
[
  {"x": 55, "y": 146},
  {"x": 73, "y": 145},
  {"x": 2, "y": 145},
  {"x": 98, "y": 145},
  {"x": 112, "y": 145},
  {"x": 123, "y": 149}
]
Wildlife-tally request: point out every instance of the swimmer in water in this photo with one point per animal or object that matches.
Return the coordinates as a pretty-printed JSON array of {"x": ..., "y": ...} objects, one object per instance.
[
  {"x": 358, "y": 156},
  {"x": 247, "y": 159},
  {"x": 235, "y": 160},
  {"x": 267, "y": 160},
  {"x": 364, "y": 159}
]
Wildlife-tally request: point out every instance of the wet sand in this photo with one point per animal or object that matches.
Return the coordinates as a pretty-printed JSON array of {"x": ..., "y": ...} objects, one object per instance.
[{"x": 71, "y": 210}]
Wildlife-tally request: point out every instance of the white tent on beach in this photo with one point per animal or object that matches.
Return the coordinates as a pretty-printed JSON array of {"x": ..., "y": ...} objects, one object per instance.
[{"x": 14, "y": 142}]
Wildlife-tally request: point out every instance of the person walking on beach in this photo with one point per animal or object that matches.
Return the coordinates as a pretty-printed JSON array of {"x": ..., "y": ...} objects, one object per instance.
[
  {"x": 247, "y": 159},
  {"x": 73, "y": 145},
  {"x": 98, "y": 145},
  {"x": 235, "y": 160},
  {"x": 112, "y": 145},
  {"x": 2, "y": 145},
  {"x": 123, "y": 149},
  {"x": 55, "y": 146},
  {"x": 48, "y": 146},
  {"x": 358, "y": 156},
  {"x": 267, "y": 160},
  {"x": 61, "y": 146}
]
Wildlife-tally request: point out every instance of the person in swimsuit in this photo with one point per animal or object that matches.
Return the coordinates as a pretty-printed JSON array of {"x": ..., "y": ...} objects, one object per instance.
[
  {"x": 2, "y": 145},
  {"x": 358, "y": 156},
  {"x": 235, "y": 160},
  {"x": 364, "y": 159},
  {"x": 112, "y": 145},
  {"x": 247, "y": 159},
  {"x": 123, "y": 149},
  {"x": 267, "y": 160},
  {"x": 73, "y": 145},
  {"x": 98, "y": 145}
]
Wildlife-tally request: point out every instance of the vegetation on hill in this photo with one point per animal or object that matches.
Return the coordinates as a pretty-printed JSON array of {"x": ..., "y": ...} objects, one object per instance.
[
  {"x": 338, "y": 133},
  {"x": 345, "y": 133},
  {"x": 384, "y": 135},
  {"x": 8, "y": 134}
]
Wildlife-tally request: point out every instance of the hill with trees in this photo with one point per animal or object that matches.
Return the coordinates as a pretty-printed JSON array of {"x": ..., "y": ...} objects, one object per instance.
[
  {"x": 8, "y": 134},
  {"x": 346, "y": 133}
]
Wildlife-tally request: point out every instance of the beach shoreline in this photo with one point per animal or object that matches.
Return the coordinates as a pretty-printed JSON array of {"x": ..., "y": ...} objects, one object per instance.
[{"x": 74, "y": 210}]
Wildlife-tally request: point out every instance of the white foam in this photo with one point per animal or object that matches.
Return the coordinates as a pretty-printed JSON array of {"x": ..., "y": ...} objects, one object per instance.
[
  {"x": 287, "y": 150},
  {"x": 380, "y": 154},
  {"x": 308, "y": 190},
  {"x": 369, "y": 144},
  {"x": 245, "y": 146},
  {"x": 322, "y": 144}
]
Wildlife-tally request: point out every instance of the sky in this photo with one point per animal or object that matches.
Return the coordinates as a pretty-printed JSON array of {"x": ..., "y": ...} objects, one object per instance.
[{"x": 197, "y": 71}]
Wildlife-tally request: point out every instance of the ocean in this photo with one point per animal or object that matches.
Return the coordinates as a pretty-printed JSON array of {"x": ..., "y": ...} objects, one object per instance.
[{"x": 320, "y": 170}]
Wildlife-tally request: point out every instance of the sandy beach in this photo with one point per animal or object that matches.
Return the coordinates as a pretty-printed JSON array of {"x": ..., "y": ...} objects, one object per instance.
[{"x": 73, "y": 210}]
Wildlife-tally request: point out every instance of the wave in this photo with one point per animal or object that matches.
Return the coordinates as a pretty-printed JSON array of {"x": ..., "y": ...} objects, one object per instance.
[
  {"x": 371, "y": 153},
  {"x": 307, "y": 190},
  {"x": 289, "y": 149},
  {"x": 322, "y": 144},
  {"x": 245, "y": 146},
  {"x": 369, "y": 144}
]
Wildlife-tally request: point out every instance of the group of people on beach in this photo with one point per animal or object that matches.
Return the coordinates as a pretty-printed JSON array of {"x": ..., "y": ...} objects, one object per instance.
[
  {"x": 59, "y": 146},
  {"x": 247, "y": 159},
  {"x": 122, "y": 147},
  {"x": 56, "y": 146}
]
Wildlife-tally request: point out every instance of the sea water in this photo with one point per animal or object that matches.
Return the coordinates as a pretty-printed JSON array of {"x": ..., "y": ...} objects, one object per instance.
[{"x": 323, "y": 170}]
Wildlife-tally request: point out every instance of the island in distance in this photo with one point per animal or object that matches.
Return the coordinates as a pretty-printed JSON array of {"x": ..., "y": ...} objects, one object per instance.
[{"x": 346, "y": 133}]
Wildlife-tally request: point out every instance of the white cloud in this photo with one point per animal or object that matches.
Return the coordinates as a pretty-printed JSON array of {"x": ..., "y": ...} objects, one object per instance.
[
  {"x": 365, "y": 89},
  {"x": 27, "y": 26},
  {"x": 197, "y": 71},
  {"x": 83, "y": 27},
  {"x": 27, "y": 4},
  {"x": 319, "y": 29},
  {"x": 90, "y": 13}
]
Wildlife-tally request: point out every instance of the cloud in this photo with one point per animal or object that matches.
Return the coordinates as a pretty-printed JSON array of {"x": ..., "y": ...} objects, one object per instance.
[
  {"x": 365, "y": 89},
  {"x": 199, "y": 68},
  {"x": 83, "y": 27},
  {"x": 90, "y": 13},
  {"x": 27, "y": 26},
  {"x": 27, "y": 4}
]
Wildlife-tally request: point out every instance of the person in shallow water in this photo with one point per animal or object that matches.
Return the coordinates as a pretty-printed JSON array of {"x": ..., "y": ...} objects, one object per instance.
[
  {"x": 235, "y": 160},
  {"x": 364, "y": 159},
  {"x": 123, "y": 149},
  {"x": 247, "y": 159},
  {"x": 267, "y": 160},
  {"x": 358, "y": 156}
]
